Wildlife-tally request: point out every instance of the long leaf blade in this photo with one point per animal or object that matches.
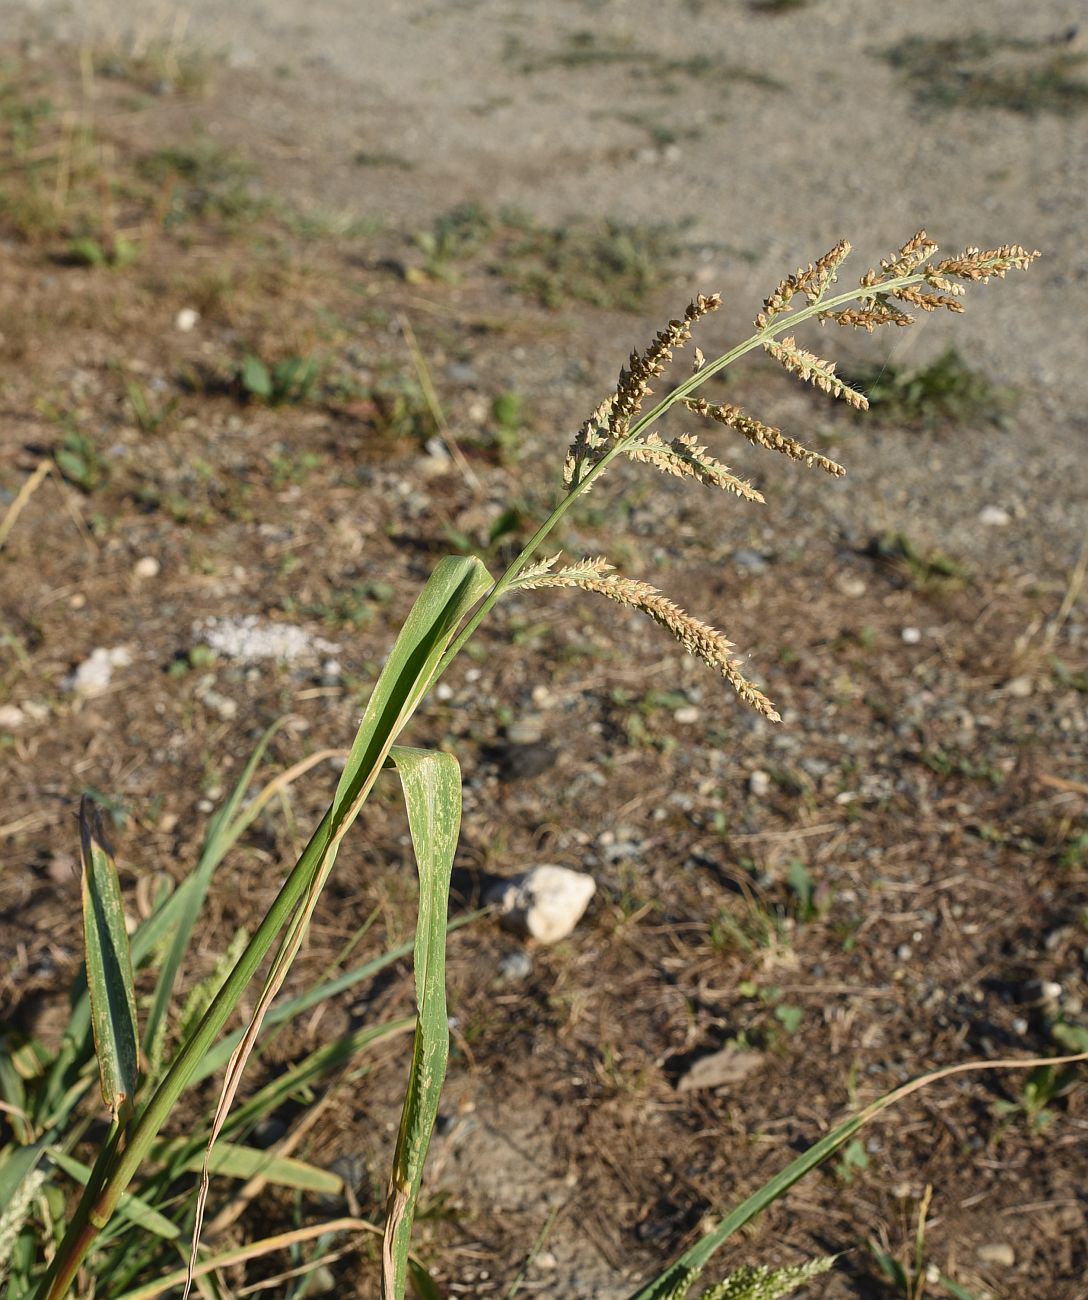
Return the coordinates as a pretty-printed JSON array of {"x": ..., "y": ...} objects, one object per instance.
[
  {"x": 456, "y": 584},
  {"x": 109, "y": 966},
  {"x": 432, "y": 795}
]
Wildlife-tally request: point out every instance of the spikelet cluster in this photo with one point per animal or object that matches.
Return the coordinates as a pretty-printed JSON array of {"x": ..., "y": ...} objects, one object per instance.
[
  {"x": 811, "y": 281},
  {"x": 808, "y": 366},
  {"x": 759, "y": 1283},
  {"x": 686, "y": 458},
  {"x": 634, "y": 382},
  {"x": 762, "y": 435},
  {"x": 696, "y": 637},
  {"x": 907, "y": 278}
]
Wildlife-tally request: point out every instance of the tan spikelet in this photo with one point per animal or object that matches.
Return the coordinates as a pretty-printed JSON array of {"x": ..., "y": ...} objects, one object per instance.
[
  {"x": 812, "y": 281},
  {"x": 976, "y": 264},
  {"x": 697, "y": 638},
  {"x": 685, "y": 458},
  {"x": 762, "y": 435},
  {"x": 928, "y": 301},
  {"x": 815, "y": 370},
  {"x": 633, "y": 385},
  {"x": 868, "y": 318}
]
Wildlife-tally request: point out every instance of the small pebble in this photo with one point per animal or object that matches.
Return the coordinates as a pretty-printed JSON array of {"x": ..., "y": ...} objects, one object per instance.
[
  {"x": 911, "y": 635},
  {"x": 994, "y": 517},
  {"x": 997, "y": 1252},
  {"x": 443, "y": 692},
  {"x": 759, "y": 783},
  {"x": 186, "y": 320},
  {"x": 1019, "y": 687},
  {"x": 686, "y": 715},
  {"x": 850, "y": 586},
  {"x": 11, "y": 717},
  {"x": 527, "y": 730},
  {"x": 750, "y": 561},
  {"x": 545, "y": 903},
  {"x": 147, "y": 567},
  {"x": 93, "y": 676},
  {"x": 904, "y": 952},
  {"x": 516, "y": 965},
  {"x": 1020, "y": 1026}
]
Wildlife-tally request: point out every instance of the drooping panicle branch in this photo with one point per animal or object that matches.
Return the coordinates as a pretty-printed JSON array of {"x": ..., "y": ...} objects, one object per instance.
[
  {"x": 697, "y": 638},
  {"x": 762, "y": 435}
]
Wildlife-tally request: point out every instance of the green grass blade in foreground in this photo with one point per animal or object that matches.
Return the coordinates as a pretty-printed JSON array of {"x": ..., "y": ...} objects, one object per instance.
[
  {"x": 109, "y": 966},
  {"x": 694, "y": 1260},
  {"x": 238, "y": 1161},
  {"x": 223, "y": 832},
  {"x": 456, "y": 584},
  {"x": 288, "y": 1010},
  {"x": 432, "y": 795},
  {"x": 129, "y": 1206},
  {"x": 453, "y": 588}
]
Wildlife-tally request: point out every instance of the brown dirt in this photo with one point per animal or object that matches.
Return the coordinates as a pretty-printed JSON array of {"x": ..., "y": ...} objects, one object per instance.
[{"x": 932, "y": 787}]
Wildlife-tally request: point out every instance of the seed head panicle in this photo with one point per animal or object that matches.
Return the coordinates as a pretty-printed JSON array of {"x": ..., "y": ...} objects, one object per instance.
[
  {"x": 974, "y": 264},
  {"x": 696, "y": 637}
]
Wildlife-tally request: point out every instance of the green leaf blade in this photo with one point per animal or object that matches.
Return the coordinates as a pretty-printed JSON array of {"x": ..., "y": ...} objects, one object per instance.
[
  {"x": 432, "y": 795},
  {"x": 109, "y": 966}
]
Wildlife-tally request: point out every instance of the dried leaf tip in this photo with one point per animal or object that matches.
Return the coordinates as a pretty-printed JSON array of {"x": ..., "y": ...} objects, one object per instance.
[{"x": 696, "y": 637}]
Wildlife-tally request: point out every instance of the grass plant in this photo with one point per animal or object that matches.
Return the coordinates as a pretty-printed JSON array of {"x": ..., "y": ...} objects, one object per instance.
[{"x": 144, "y": 1069}]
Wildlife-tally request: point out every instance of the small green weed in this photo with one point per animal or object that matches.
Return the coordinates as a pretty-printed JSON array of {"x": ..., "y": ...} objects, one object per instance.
[
  {"x": 79, "y": 461},
  {"x": 950, "y": 762},
  {"x": 608, "y": 264},
  {"x": 452, "y": 237},
  {"x": 289, "y": 382},
  {"x": 201, "y": 181},
  {"x": 983, "y": 70},
  {"x": 925, "y": 570},
  {"x": 1044, "y": 1086},
  {"x": 115, "y": 253},
  {"x": 946, "y": 391}
]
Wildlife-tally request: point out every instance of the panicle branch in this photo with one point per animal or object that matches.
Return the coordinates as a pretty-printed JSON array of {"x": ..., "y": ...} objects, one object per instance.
[
  {"x": 762, "y": 435},
  {"x": 634, "y": 380},
  {"x": 812, "y": 281},
  {"x": 696, "y": 637},
  {"x": 807, "y": 365},
  {"x": 685, "y": 458}
]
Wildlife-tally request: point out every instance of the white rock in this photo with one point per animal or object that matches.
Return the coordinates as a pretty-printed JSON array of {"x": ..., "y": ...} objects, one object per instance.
[
  {"x": 94, "y": 674},
  {"x": 251, "y": 639},
  {"x": 186, "y": 320},
  {"x": 997, "y": 1252},
  {"x": 147, "y": 567},
  {"x": 759, "y": 783},
  {"x": 686, "y": 715},
  {"x": 11, "y": 717},
  {"x": 911, "y": 635},
  {"x": 546, "y": 902},
  {"x": 994, "y": 517},
  {"x": 1020, "y": 687}
]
